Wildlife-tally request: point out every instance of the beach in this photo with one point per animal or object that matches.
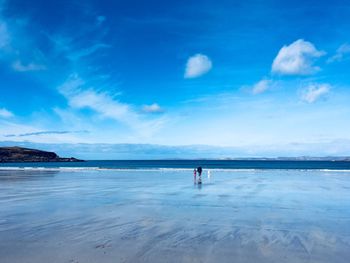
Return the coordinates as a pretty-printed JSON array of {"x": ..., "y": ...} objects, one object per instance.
[{"x": 160, "y": 215}]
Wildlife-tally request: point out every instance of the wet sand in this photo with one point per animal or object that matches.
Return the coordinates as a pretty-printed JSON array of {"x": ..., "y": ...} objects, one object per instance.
[{"x": 161, "y": 216}]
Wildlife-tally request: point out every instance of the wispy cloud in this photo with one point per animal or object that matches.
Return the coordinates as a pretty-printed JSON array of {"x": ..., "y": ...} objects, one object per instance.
[
  {"x": 107, "y": 106},
  {"x": 75, "y": 55},
  {"x": 314, "y": 92},
  {"x": 261, "y": 86},
  {"x": 86, "y": 42},
  {"x": 20, "y": 67},
  {"x": 43, "y": 133},
  {"x": 340, "y": 54},
  {"x": 197, "y": 66},
  {"x": 4, "y": 113},
  {"x": 39, "y": 132},
  {"x": 153, "y": 108},
  {"x": 297, "y": 59},
  {"x": 102, "y": 103},
  {"x": 14, "y": 51}
]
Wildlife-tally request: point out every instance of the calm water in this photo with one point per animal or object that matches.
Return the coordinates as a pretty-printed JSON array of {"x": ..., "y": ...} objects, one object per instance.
[
  {"x": 212, "y": 164},
  {"x": 145, "y": 215}
]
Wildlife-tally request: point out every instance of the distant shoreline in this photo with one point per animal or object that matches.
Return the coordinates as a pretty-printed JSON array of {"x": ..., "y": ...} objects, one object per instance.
[{"x": 26, "y": 155}]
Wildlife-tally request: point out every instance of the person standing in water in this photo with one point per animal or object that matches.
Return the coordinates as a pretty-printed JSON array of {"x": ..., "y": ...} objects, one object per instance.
[
  {"x": 199, "y": 171},
  {"x": 194, "y": 176}
]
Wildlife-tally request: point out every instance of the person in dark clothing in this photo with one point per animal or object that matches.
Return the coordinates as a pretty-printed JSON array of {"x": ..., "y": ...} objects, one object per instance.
[{"x": 199, "y": 171}]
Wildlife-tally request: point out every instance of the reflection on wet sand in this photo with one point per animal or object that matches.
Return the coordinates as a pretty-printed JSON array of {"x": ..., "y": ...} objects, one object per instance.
[
  {"x": 154, "y": 216},
  {"x": 14, "y": 175}
]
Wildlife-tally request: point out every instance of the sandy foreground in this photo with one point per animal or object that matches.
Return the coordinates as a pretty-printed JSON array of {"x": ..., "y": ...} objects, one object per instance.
[{"x": 162, "y": 216}]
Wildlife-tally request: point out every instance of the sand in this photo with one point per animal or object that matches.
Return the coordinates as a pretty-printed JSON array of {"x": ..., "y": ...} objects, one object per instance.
[{"x": 161, "y": 216}]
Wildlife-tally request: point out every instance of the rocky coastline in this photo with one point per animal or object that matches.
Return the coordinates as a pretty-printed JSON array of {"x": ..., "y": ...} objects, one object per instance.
[{"x": 20, "y": 155}]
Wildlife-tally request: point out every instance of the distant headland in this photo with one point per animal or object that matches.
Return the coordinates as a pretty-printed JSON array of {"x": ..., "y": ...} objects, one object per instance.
[{"x": 19, "y": 154}]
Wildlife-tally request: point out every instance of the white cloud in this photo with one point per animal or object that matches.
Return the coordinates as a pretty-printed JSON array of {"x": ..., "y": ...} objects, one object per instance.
[
  {"x": 261, "y": 86},
  {"x": 342, "y": 51},
  {"x": 19, "y": 66},
  {"x": 314, "y": 92},
  {"x": 153, "y": 108},
  {"x": 100, "y": 102},
  {"x": 297, "y": 59},
  {"x": 107, "y": 106},
  {"x": 4, "y": 113},
  {"x": 197, "y": 66}
]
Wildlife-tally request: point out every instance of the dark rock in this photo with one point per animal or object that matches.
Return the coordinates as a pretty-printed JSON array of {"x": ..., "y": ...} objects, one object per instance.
[{"x": 19, "y": 154}]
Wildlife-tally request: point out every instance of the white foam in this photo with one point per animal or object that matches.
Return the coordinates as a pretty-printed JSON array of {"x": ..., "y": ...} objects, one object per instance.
[{"x": 338, "y": 170}]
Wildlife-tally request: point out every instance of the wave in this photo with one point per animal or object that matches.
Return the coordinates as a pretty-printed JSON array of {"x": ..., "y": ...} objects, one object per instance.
[{"x": 334, "y": 170}]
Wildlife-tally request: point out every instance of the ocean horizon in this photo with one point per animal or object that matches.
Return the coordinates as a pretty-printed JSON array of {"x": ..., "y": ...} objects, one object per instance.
[{"x": 186, "y": 164}]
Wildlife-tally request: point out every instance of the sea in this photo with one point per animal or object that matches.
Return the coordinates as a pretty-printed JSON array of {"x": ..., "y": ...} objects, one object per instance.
[
  {"x": 184, "y": 164},
  {"x": 156, "y": 211}
]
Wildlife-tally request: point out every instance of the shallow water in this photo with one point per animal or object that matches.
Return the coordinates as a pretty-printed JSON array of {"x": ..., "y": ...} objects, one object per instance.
[{"x": 162, "y": 216}]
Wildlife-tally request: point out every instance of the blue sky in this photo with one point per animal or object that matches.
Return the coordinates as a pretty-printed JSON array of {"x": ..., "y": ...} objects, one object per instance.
[{"x": 259, "y": 76}]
